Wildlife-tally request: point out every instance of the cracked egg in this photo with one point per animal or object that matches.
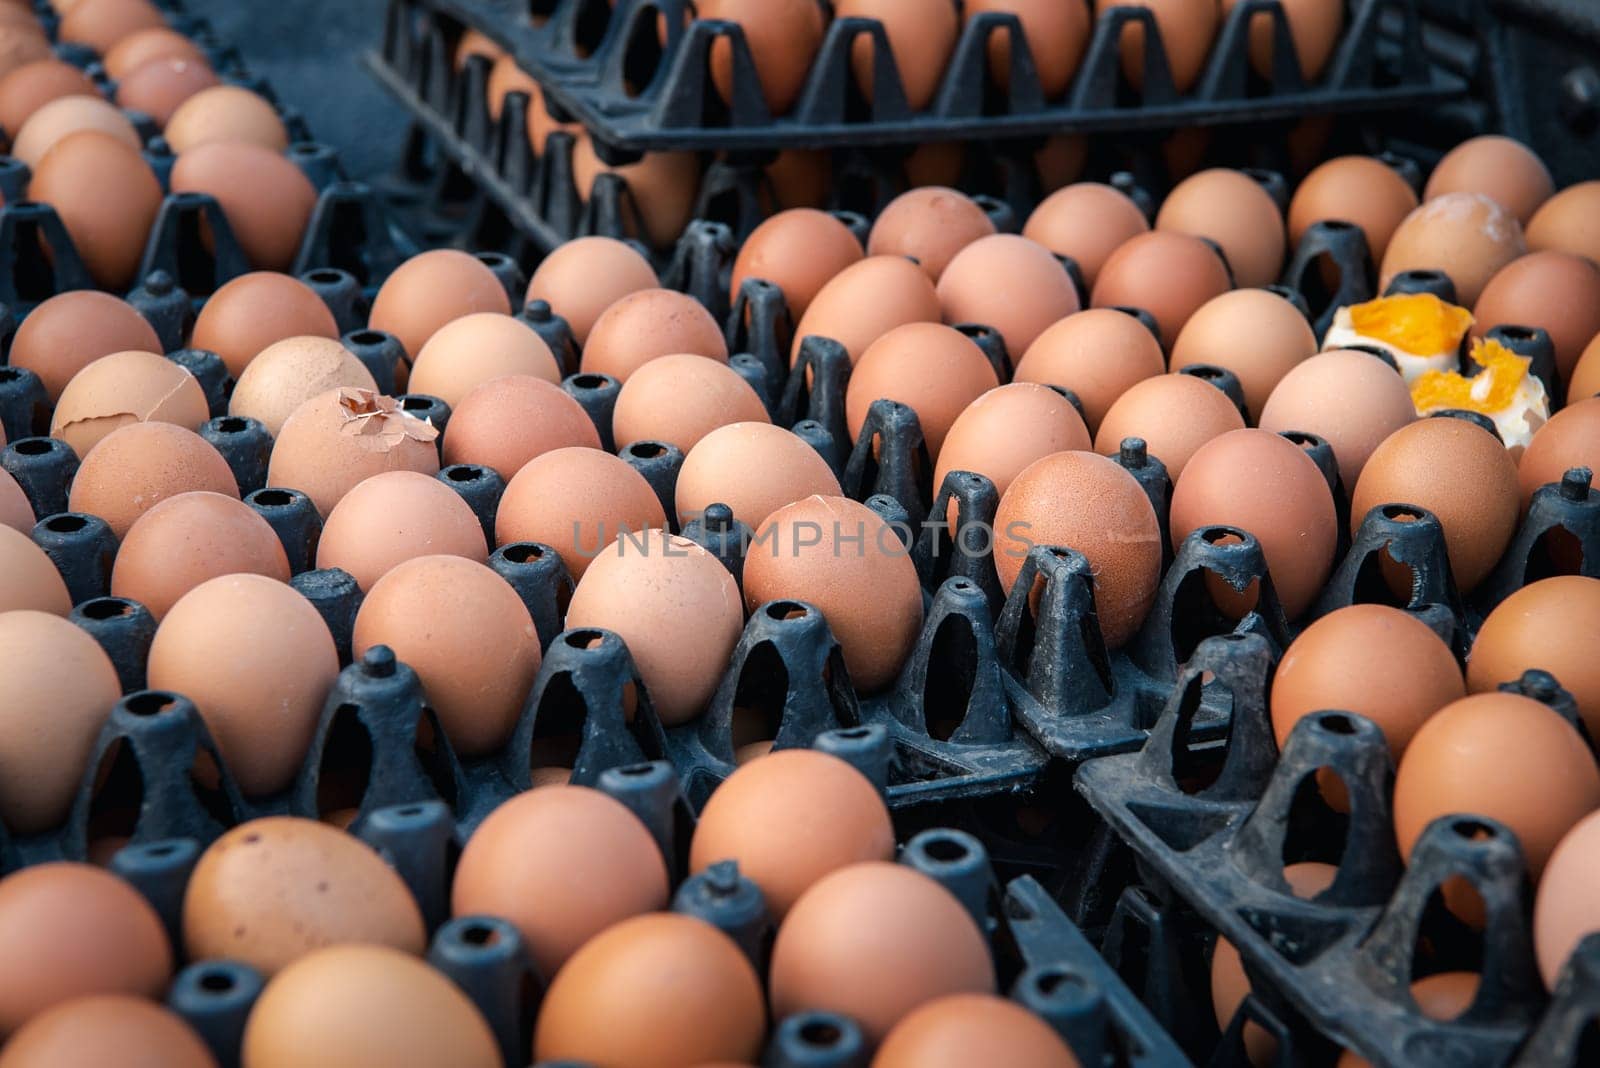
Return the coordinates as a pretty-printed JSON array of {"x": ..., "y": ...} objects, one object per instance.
[
  {"x": 1421, "y": 332},
  {"x": 1504, "y": 391}
]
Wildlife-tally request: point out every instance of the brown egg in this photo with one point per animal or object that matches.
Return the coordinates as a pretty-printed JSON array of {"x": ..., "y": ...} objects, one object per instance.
[
  {"x": 125, "y": 388},
  {"x": 842, "y": 558},
  {"x": 875, "y": 941},
  {"x": 100, "y": 24},
  {"x": 662, "y": 187},
  {"x": 1060, "y": 160},
  {"x": 865, "y": 301},
  {"x": 643, "y": 587},
  {"x": 1098, "y": 354},
  {"x": 1457, "y": 471},
  {"x": 1440, "y": 997},
  {"x": 1354, "y": 189},
  {"x": 1264, "y": 484},
  {"x": 60, "y": 687},
  {"x": 1350, "y": 400},
  {"x": 1314, "y": 27},
  {"x": 257, "y": 660},
  {"x": 800, "y": 178},
  {"x": 135, "y": 467},
  {"x": 1257, "y": 335},
  {"x": 29, "y": 580},
  {"x": 16, "y": 511},
  {"x": 267, "y": 199},
  {"x": 339, "y": 438},
  {"x": 21, "y": 45},
  {"x": 789, "y": 818},
  {"x": 1566, "y": 222},
  {"x": 1570, "y": 439},
  {"x": 1088, "y": 503},
  {"x": 106, "y": 1029},
  {"x": 31, "y": 86},
  {"x": 393, "y": 517},
  {"x": 1232, "y": 209},
  {"x": 107, "y": 198},
  {"x": 476, "y": 43},
  {"x": 505, "y": 77},
  {"x": 71, "y": 330},
  {"x": 705, "y": 1005},
  {"x": 680, "y": 399},
  {"x": 1088, "y": 222},
  {"x": 929, "y": 225},
  {"x": 1497, "y": 167},
  {"x": 432, "y": 289},
  {"x": 934, "y": 163},
  {"x": 1057, "y": 35},
  {"x": 189, "y": 539},
  {"x": 467, "y": 635},
  {"x": 1465, "y": 235},
  {"x": 1556, "y": 291},
  {"x": 1000, "y": 433},
  {"x": 287, "y": 373},
  {"x": 1585, "y": 381},
  {"x": 934, "y": 370},
  {"x": 69, "y": 930},
  {"x": 1167, "y": 274},
  {"x": 584, "y": 277},
  {"x": 65, "y": 116},
  {"x": 921, "y": 37},
  {"x": 576, "y": 500},
  {"x": 251, "y": 312},
  {"x": 225, "y": 113},
  {"x": 1542, "y": 626},
  {"x": 365, "y": 1007},
  {"x": 139, "y": 48},
  {"x": 1498, "y": 755},
  {"x": 965, "y": 1029},
  {"x": 562, "y": 863},
  {"x": 159, "y": 87},
  {"x": 1564, "y": 908},
  {"x": 473, "y": 349},
  {"x": 650, "y": 323},
  {"x": 753, "y": 468},
  {"x": 798, "y": 251},
  {"x": 541, "y": 124},
  {"x": 506, "y": 422},
  {"x": 1174, "y": 414},
  {"x": 782, "y": 38},
  {"x": 1186, "y": 32},
  {"x": 1009, "y": 283}
]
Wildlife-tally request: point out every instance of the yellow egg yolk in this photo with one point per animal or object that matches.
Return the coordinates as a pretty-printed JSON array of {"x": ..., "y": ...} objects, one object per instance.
[
  {"x": 1418, "y": 323},
  {"x": 1489, "y": 391}
]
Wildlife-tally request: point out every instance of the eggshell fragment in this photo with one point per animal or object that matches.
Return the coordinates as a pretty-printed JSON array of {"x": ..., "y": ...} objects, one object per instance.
[
  {"x": 1541, "y": 626},
  {"x": 135, "y": 467},
  {"x": 578, "y": 501},
  {"x": 434, "y": 288},
  {"x": 391, "y": 518},
  {"x": 189, "y": 539},
  {"x": 473, "y": 349},
  {"x": 106, "y": 1029},
  {"x": 29, "y": 580},
  {"x": 929, "y": 225},
  {"x": 338, "y": 439},
  {"x": 932, "y": 369},
  {"x": 125, "y": 388},
  {"x": 71, "y": 330},
  {"x": 287, "y": 373},
  {"x": 249, "y": 314},
  {"x": 584, "y": 277},
  {"x": 798, "y": 251},
  {"x": 1172, "y": 414},
  {"x": 1008, "y": 283},
  {"x": 755, "y": 469},
  {"x": 505, "y": 422},
  {"x": 650, "y": 323}
]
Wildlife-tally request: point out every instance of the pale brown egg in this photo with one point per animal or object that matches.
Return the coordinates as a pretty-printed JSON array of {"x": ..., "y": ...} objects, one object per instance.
[
  {"x": 466, "y": 634},
  {"x": 339, "y": 438},
  {"x": 474, "y": 42},
  {"x": 1355, "y": 189},
  {"x": 390, "y": 518},
  {"x": 365, "y": 1006},
  {"x": 267, "y": 199},
  {"x": 287, "y": 373},
  {"x": 432, "y": 289},
  {"x": 1167, "y": 274},
  {"x": 541, "y": 124},
  {"x": 1087, "y": 503},
  {"x": 1570, "y": 439},
  {"x": 251, "y": 312},
  {"x": 932, "y": 369},
  {"x": 798, "y": 251},
  {"x": 1466, "y": 235},
  {"x": 1057, "y": 35},
  {"x": 578, "y": 501},
  {"x": 20, "y": 45},
  {"x": 473, "y": 349},
  {"x": 964, "y": 1029},
  {"x": 650, "y": 323},
  {"x": 1314, "y": 27},
  {"x": 662, "y": 188},
  {"x": 257, "y": 660},
  {"x": 1187, "y": 29},
  {"x": 1349, "y": 399},
  {"x": 506, "y": 77},
  {"x": 782, "y": 36},
  {"x": 31, "y": 86},
  {"x": 107, "y": 198},
  {"x": 225, "y": 113},
  {"x": 754, "y": 468},
  {"x": 680, "y": 399},
  {"x": 1498, "y": 167},
  {"x": 29, "y": 580},
  {"x": 1266, "y": 485},
  {"x": 1567, "y": 222},
  {"x": 1556, "y": 291},
  {"x": 106, "y": 1029},
  {"x": 65, "y": 116},
  {"x": 1256, "y": 334},
  {"x": 642, "y": 587},
  {"x": 60, "y": 687},
  {"x": 505, "y": 422},
  {"x": 1173, "y": 414},
  {"x": 562, "y": 863},
  {"x": 1098, "y": 354},
  {"x": 865, "y": 301},
  {"x": 1542, "y": 626},
  {"x": 930, "y": 225},
  {"x": 1232, "y": 209},
  {"x": 876, "y": 941},
  {"x": 100, "y": 24},
  {"x": 582, "y": 278},
  {"x": 1003, "y": 431},
  {"x": 190, "y": 539},
  {"x": 921, "y": 37},
  {"x": 159, "y": 87},
  {"x": 1009, "y": 283},
  {"x": 134, "y": 468},
  {"x": 139, "y": 48},
  {"x": 16, "y": 511},
  {"x": 1461, "y": 474},
  {"x": 800, "y": 178},
  {"x": 1087, "y": 221},
  {"x": 71, "y": 330},
  {"x": 125, "y": 388},
  {"x": 70, "y": 930},
  {"x": 1564, "y": 908}
]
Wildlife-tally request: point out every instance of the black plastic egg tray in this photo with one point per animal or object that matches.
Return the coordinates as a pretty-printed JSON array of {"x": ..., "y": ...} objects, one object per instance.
[{"x": 606, "y": 66}]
